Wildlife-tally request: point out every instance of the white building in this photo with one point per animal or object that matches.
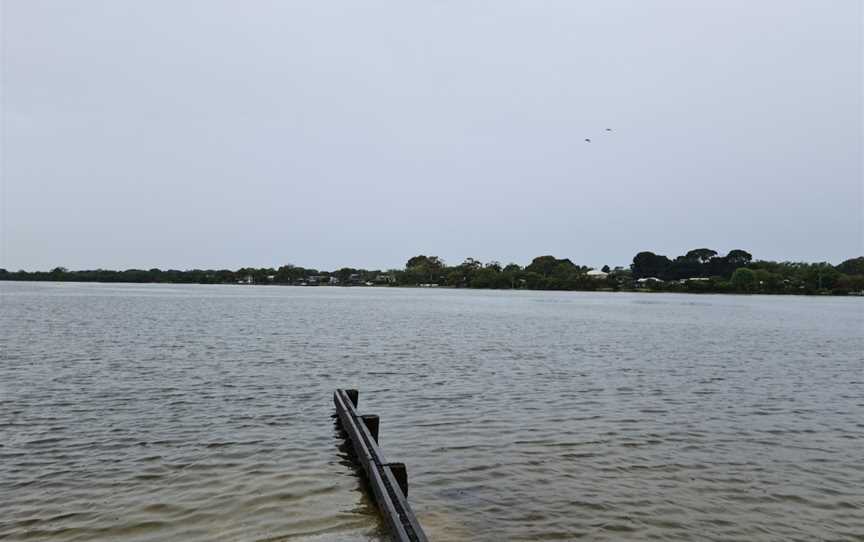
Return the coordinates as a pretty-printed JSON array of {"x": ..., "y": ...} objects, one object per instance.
[{"x": 597, "y": 274}]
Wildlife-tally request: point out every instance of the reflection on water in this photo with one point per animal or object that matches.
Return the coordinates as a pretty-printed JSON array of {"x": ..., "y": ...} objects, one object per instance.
[{"x": 204, "y": 413}]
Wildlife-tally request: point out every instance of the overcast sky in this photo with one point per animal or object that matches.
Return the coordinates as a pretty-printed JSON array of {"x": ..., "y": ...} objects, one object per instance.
[{"x": 324, "y": 134}]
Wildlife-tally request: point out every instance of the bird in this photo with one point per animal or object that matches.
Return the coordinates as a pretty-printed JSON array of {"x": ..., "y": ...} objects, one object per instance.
[
  {"x": 608, "y": 129},
  {"x": 587, "y": 140}
]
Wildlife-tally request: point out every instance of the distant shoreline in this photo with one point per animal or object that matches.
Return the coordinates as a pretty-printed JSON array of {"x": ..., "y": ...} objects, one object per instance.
[{"x": 700, "y": 271}]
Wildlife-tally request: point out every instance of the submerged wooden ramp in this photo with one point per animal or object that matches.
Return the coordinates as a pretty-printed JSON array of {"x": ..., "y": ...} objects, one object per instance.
[{"x": 389, "y": 481}]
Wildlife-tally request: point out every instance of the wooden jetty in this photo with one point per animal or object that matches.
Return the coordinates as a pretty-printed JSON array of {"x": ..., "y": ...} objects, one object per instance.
[{"x": 389, "y": 481}]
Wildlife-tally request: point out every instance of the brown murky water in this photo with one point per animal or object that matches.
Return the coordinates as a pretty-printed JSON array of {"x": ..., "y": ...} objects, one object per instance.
[{"x": 135, "y": 413}]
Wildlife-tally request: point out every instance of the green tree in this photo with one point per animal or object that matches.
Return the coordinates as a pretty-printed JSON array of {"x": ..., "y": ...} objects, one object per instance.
[
  {"x": 424, "y": 269},
  {"x": 852, "y": 266},
  {"x": 743, "y": 279},
  {"x": 485, "y": 278},
  {"x": 455, "y": 278},
  {"x": 821, "y": 276},
  {"x": 647, "y": 264},
  {"x": 849, "y": 283},
  {"x": 511, "y": 275},
  {"x": 495, "y": 266},
  {"x": 766, "y": 281},
  {"x": 471, "y": 263},
  {"x": 738, "y": 258},
  {"x": 547, "y": 265},
  {"x": 534, "y": 281},
  {"x": 701, "y": 255}
]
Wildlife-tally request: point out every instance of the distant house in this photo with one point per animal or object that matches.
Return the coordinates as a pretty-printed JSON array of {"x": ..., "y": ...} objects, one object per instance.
[
  {"x": 315, "y": 280},
  {"x": 597, "y": 274},
  {"x": 647, "y": 281},
  {"x": 694, "y": 279}
]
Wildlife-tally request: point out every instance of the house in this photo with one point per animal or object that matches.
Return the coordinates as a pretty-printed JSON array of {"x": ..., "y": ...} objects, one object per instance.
[
  {"x": 647, "y": 282},
  {"x": 694, "y": 279},
  {"x": 597, "y": 274}
]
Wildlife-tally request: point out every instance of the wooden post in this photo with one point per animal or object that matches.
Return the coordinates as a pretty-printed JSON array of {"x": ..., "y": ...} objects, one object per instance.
[
  {"x": 372, "y": 423},
  {"x": 401, "y": 474}
]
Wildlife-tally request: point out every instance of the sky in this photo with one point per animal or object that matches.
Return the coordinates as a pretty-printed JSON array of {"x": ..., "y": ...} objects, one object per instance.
[{"x": 221, "y": 134}]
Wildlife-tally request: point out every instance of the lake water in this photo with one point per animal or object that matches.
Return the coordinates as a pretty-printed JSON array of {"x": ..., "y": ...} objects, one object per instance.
[{"x": 199, "y": 413}]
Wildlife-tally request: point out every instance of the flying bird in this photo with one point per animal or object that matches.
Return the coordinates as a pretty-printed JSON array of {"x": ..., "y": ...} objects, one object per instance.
[
  {"x": 587, "y": 140},
  {"x": 608, "y": 129}
]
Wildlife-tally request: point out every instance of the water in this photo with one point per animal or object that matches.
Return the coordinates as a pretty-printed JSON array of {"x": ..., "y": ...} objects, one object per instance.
[{"x": 157, "y": 412}]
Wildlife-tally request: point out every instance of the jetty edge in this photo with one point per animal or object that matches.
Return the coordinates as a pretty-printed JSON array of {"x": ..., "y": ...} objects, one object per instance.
[{"x": 389, "y": 481}]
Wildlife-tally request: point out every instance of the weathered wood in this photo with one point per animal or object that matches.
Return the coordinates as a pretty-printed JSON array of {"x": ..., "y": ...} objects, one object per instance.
[
  {"x": 389, "y": 481},
  {"x": 372, "y": 423},
  {"x": 401, "y": 474}
]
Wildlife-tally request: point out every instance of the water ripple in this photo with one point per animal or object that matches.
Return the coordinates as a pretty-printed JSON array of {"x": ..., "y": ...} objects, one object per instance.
[{"x": 197, "y": 413}]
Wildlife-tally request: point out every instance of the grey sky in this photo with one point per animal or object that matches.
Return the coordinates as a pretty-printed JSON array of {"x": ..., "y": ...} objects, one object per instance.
[{"x": 220, "y": 134}]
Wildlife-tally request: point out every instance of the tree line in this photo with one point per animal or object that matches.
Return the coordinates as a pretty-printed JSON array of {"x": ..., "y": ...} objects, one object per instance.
[{"x": 698, "y": 270}]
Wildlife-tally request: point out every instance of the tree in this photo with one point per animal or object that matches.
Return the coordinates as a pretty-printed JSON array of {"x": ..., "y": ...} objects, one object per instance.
[
  {"x": 547, "y": 265},
  {"x": 701, "y": 255},
  {"x": 534, "y": 281},
  {"x": 738, "y": 257},
  {"x": 485, "y": 278},
  {"x": 494, "y": 265},
  {"x": 846, "y": 283},
  {"x": 767, "y": 281},
  {"x": 648, "y": 264},
  {"x": 743, "y": 279},
  {"x": 511, "y": 274},
  {"x": 821, "y": 276},
  {"x": 852, "y": 266},
  {"x": 429, "y": 262},
  {"x": 542, "y": 265},
  {"x": 471, "y": 263},
  {"x": 344, "y": 274},
  {"x": 424, "y": 268},
  {"x": 684, "y": 268},
  {"x": 416, "y": 261},
  {"x": 455, "y": 278},
  {"x": 605, "y": 269}
]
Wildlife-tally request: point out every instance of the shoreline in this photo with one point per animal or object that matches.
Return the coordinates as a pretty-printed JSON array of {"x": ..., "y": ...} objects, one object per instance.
[{"x": 697, "y": 271}]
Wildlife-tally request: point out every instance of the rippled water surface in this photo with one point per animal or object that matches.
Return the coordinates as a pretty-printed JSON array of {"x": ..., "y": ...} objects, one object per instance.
[{"x": 196, "y": 413}]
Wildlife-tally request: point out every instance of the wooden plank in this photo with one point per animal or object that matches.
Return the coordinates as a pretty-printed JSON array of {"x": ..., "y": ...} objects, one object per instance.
[{"x": 389, "y": 481}]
